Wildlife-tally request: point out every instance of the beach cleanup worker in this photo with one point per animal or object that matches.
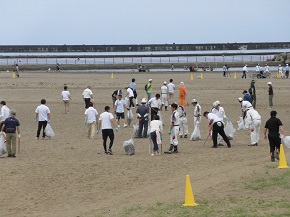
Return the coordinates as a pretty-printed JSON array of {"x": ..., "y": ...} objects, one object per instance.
[
  {"x": 106, "y": 123},
  {"x": 183, "y": 125},
  {"x": 156, "y": 133},
  {"x": 5, "y": 113},
  {"x": 42, "y": 117},
  {"x": 196, "y": 112},
  {"x": 272, "y": 127},
  {"x": 88, "y": 96},
  {"x": 217, "y": 127},
  {"x": 287, "y": 71},
  {"x": 142, "y": 116},
  {"x": 253, "y": 122},
  {"x": 174, "y": 130},
  {"x": 66, "y": 98},
  {"x": 12, "y": 125},
  {"x": 148, "y": 88},
  {"x": 91, "y": 120},
  {"x": 280, "y": 71},
  {"x": 155, "y": 104},
  {"x": 171, "y": 89},
  {"x": 133, "y": 87},
  {"x": 114, "y": 96},
  {"x": 119, "y": 108},
  {"x": 271, "y": 94},
  {"x": 245, "y": 70},
  {"x": 164, "y": 96},
  {"x": 252, "y": 92},
  {"x": 130, "y": 95},
  {"x": 182, "y": 94},
  {"x": 245, "y": 105}
]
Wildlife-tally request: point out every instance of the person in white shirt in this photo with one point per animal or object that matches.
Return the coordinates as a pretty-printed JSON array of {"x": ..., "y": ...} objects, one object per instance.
[
  {"x": 155, "y": 104},
  {"x": 258, "y": 68},
  {"x": 164, "y": 96},
  {"x": 253, "y": 122},
  {"x": 130, "y": 95},
  {"x": 66, "y": 98},
  {"x": 245, "y": 70},
  {"x": 91, "y": 117},
  {"x": 42, "y": 117},
  {"x": 183, "y": 125},
  {"x": 88, "y": 96},
  {"x": 5, "y": 113},
  {"x": 119, "y": 107},
  {"x": 106, "y": 123},
  {"x": 245, "y": 105},
  {"x": 196, "y": 112},
  {"x": 266, "y": 68},
  {"x": 217, "y": 127},
  {"x": 156, "y": 133},
  {"x": 280, "y": 71},
  {"x": 171, "y": 88}
]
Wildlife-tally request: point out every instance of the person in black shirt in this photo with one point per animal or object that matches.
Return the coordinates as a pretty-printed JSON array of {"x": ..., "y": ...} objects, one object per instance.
[
  {"x": 273, "y": 126},
  {"x": 142, "y": 115},
  {"x": 252, "y": 92},
  {"x": 271, "y": 94}
]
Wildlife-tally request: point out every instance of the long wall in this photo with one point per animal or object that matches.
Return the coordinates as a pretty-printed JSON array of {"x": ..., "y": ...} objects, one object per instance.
[{"x": 142, "y": 47}]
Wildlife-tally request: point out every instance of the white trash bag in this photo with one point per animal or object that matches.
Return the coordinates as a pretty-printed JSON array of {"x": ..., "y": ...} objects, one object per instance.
[
  {"x": 129, "y": 147},
  {"x": 48, "y": 131},
  {"x": 129, "y": 116},
  {"x": 136, "y": 129},
  {"x": 286, "y": 140},
  {"x": 230, "y": 130},
  {"x": 196, "y": 133},
  {"x": 241, "y": 124},
  {"x": 3, "y": 149}
]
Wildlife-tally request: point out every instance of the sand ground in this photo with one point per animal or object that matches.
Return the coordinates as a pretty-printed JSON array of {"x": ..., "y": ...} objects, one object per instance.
[{"x": 69, "y": 175}]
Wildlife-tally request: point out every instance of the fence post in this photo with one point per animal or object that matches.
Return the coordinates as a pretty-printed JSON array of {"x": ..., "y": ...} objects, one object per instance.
[
  {"x": 251, "y": 58},
  {"x": 113, "y": 60},
  {"x": 104, "y": 60},
  {"x": 214, "y": 59},
  {"x": 160, "y": 59},
  {"x": 94, "y": 60},
  {"x": 26, "y": 61},
  {"x": 141, "y": 60},
  {"x": 187, "y": 59},
  {"x": 85, "y": 61},
  {"x": 7, "y": 62},
  {"x": 178, "y": 59},
  {"x": 123, "y": 60},
  {"x": 204, "y": 59},
  {"x": 66, "y": 61},
  {"x": 169, "y": 59}
]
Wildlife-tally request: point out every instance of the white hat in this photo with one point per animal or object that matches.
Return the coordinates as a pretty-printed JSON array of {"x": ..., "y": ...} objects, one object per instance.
[
  {"x": 194, "y": 100},
  {"x": 182, "y": 83},
  {"x": 216, "y": 103},
  {"x": 144, "y": 100},
  {"x": 279, "y": 64},
  {"x": 240, "y": 99},
  {"x": 164, "y": 82},
  {"x": 269, "y": 83},
  {"x": 150, "y": 79}
]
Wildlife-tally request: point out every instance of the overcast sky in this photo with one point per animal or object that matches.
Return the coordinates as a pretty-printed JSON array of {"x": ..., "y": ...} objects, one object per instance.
[{"x": 57, "y": 22}]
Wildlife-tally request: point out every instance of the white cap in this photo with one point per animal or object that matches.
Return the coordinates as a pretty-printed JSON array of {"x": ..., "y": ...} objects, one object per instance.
[
  {"x": 150, "y": 79},
  {"x": 216, "y": 103},
  {"x": 269, "y": 82},
  {"x": 240, "y": 99},
  {"x": 144, "y": 100},
  {"x": 164, "y": 82},
  {"x": 279, "y": 64},
  {"x": 194, "y": 100},
  {"x": 182, "y": 83}
]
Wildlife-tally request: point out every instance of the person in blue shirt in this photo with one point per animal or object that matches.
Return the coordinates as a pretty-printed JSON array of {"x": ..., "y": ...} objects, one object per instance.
[
  {"x": 287, "y": 71},
  {"x": 247, "y": 96}
]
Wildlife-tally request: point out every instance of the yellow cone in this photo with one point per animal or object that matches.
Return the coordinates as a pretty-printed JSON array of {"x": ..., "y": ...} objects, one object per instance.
[
  {"x": 191, "y": 77},
  {"x": 13, "y": 75},
  {"x": 235, "y": 75},
  {"x": 282, "y": 159},
  {"x": 189, "y": 198},
  {"x": 201, "y": 76},
  {"x": 277, "y": 75},
  {"x": 112, "y": 76}
]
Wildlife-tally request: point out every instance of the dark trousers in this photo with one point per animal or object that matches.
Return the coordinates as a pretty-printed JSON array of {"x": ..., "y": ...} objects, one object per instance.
[
  {"x": 143, "y": 123},
  {"x": 154, "y": 112},
  {"x": 253, "y": 100},
  {"x": 218, "y": 128},
  {"x": 87, "y": 102},
  {"x": 131, "y": 101},
  {"x": 135, "y": 94},
  {"x": 153, "y": 137},
  {"x": 41, "y": 124},
  {"x": 244, "y": 75},
  {"x": 274, "y": 142},
  {"x": 108, "y": 133}
]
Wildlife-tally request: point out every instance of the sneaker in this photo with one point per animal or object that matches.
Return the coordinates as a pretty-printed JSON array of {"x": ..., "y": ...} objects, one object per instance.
[
  {"x": 220, "y": 144},
  {"x": 214, "y": 146},
  {"x": 255, "y": 144},
  {"x": 137, "y": 104},
  {"x": 9, "y": 155},
  {"x": 272, "y": 159},
  {"x": 37, "y": 138},
  {"x": 167, "y": 152},
  {"x": 110, "y": 152},
  {"x": 13, "y": 155},
  {"x": 185, "y": 136},
  {"x": 106, "y": 152},
  {"x": 125, "y": 125},
  {"x": 180, "y": 136}
]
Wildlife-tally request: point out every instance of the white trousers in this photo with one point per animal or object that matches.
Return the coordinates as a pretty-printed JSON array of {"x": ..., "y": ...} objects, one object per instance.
[
  {"x": 164, "y": 99},
  {"x": 170, "y": 98},
  {"x": 174, "y": 136},
  {"x": 183, "y": 126},
  {"x": 255, "y": 134}
]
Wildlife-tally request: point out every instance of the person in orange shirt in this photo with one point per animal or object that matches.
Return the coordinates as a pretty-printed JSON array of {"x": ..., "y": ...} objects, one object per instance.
[{"x": 182, "y": 94}]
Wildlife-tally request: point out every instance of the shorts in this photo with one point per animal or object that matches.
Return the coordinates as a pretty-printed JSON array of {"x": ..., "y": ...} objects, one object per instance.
[
  {"x": 66, "y": 101},
  {"x": 120, "y": 115}
]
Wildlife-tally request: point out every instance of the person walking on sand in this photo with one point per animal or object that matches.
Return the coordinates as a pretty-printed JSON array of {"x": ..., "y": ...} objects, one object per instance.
[
  {"x": 280, "y": 71},
  {"x": 164, "y": 96},
  {"x": 120, "y": 106},
  {"x": 5, "y": 111},
  {"x": 271, "y": 94},
  {"x": 106, "y": 123},
  {"x": 182, "y": 94},
  {"x": 172, "y": 67},
  {"x": 247, "y": 96},
  {"x": 273, "y": 126},
  {"x": 196, "y": 112},
  {"x": 12, "y": 125},
  {"x": 148, "y": 89},
  {"x": 156, "y": 133},
  {"x": 66, "y": 98},
  {"x": 287, "y": 70},
  {"x": 225, "y": 68},
  {"x": 245, "y": 70},
  {"x": 91, "y": 120},
  {"x": 88, "y": 96},
  {"x": 42, "y": 117},
  {"x": 252, "y": 92},
  {"x": 183, "y": 125},
  {"x": 130, "y": 95},
  {"x": 171, "y": 89},
  {"x": 133, "y": 87}
]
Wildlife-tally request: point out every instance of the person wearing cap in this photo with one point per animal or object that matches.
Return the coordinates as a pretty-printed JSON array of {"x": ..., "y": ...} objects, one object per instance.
[
  {"x": 219, "y": 111},
  {"x": 66, "y": 98},
  {"x": 247, "y": 96},
  {"x": 245, "y": 70},
  {"x": 130, "y": 95},
  {"x": 164, "y": 95},
  {"x": 171, "y": 89},
  {"x": 182, "y": 94},
  {"x": 174, "y": 130},
  {"x": 12, "y": 125},
  {"x": 183, "y": 125},
  {"x": 253, "y": 122},
  {"x": 42, "y": 117},
  {"x": 280, "y": 71},
  {"x": 287, "y": 70},
  {"x": 155, "y": 104},
  {"x": 119, "y": 107},
  {"x": 142, "y": 116},
  {"x": 91, "y": 120},
  {"x": 252, "y": 92},
  {"x": 266, "y": 68},
  {"x": 271, "y": 94},
  {"x": 196, "y": 112},
  {"x": 245, "y": 105},
  {"x": 149, "y": 89},
  {"x": 88, "y": 96},
  {"x": 272, "y": 127},
  {"x": 217, "y": 127},
  {"x": 133, "y": 87}
]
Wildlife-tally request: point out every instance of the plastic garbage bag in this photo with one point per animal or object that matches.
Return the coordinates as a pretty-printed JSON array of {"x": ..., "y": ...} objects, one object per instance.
[
  {"x": 136, "y": 129},
  {"x": 241, "y": 124},
  {"x": 196, "y": 133},
  {"x": 129, "y": 147},
  {"x": 48, "y": 131},
  {"x": 286, "y": 141},
  {"x": 129, "y": 116},
  {"x": 3, "y": 149},
  {"x": 230, "y": 130}
]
